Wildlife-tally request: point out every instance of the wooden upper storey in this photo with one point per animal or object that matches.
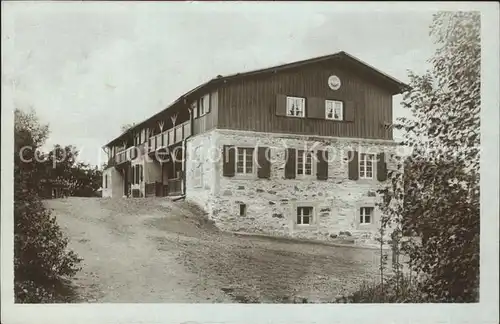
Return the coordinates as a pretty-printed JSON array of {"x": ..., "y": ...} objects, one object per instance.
[
  {"x": 257, "y": 101},
  {"x": 260, "y": 103}
]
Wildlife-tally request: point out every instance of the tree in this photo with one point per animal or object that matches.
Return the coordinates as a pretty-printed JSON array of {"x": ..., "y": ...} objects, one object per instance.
[
  {"x": 85, "y": 180},
  {"x": 126, "y": 127},
  {"x": 438, "y": 201},
  {"x": 60, "y": 165},
  {"x": 41, "y": 259}
]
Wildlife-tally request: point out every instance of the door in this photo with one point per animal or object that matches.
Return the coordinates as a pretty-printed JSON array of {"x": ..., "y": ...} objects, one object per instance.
[{"x": 158, "y": 189}]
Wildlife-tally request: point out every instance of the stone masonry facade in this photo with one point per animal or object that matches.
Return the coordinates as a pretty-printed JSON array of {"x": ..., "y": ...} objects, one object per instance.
[{"x": 270, "y": 204}]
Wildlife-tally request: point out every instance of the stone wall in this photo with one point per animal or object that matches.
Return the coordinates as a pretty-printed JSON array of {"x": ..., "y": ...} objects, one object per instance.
[
  {"x": 200, "y": 173},
  {"x": 271, "y": 203},
  {"x": 115, "y": 183}
]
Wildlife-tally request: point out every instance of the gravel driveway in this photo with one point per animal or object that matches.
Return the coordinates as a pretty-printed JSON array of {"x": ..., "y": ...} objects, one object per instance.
[{"x": 154, "y": 250}]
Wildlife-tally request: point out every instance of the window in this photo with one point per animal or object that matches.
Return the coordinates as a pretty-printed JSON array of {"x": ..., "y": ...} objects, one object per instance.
[
  {"x": 137, "y": 174},
  {"x": 304, "y": 215},
  {"x": 204, "y": 104},
  {"x": 366, "y": 166},
  {"x": 304, "y": 162},
  {"x": 194, "y": 109},
  {"x": 366, "y": 215},
  {"x": 244, "y": 160},
  {"x": 106, "y": 181},
  {"x": 334, "y": 110},
  {"x": 243, "y": 209},
  {"x": 295, "y": 107}
]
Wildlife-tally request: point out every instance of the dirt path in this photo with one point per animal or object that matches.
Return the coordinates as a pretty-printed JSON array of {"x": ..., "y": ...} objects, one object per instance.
[
  {"x": 153, "y": 250},
  {"x": 121, "y": 262}
]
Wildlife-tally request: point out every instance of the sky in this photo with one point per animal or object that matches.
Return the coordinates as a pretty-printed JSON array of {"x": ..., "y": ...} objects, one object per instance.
[{"x": 89, "y": 68}]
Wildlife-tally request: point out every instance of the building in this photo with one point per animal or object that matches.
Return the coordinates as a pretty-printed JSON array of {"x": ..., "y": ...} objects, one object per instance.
[
  {"x": 52, "y": 188},
  {"x": 298, "y": 149}
]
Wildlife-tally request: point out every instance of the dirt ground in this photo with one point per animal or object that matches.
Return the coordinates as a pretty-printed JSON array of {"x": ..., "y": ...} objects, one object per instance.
[{"x": 155, "y": 250}]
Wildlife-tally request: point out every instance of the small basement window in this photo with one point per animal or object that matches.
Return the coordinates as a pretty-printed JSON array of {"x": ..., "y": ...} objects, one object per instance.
[
  {"x": 243, "y": 209},
  {"x": 304, "y": 215}
]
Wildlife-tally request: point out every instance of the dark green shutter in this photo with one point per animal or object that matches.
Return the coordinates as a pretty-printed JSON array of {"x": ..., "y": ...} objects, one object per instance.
[
  {"x": 381, "y": 167},
  {"x": 228, "y": 160},
  {"x": 353, "y": 165},
  {"x": 322, "y": 165},
  {"x": 208, "y": 103},
  {"x": 280, "y": 105},
  {"x": 315, "y": 108},
  {"x": 264, "y": 162},
  {"x": 349, "y": 110},
  {"x": 290, "y": 164}
]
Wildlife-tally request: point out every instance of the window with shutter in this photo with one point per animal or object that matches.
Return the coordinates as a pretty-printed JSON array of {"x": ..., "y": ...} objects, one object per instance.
[
  {"x": 295, "y": 107},
  {"x": 366, "y": 162},
  {"x": 245, "y": 160},
  {"x": 334, "y": 110},
  {"x": 304, "y": 163}
]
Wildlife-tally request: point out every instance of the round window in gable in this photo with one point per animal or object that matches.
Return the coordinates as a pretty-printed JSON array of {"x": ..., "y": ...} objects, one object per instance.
[{"x": 334, "y": 82}]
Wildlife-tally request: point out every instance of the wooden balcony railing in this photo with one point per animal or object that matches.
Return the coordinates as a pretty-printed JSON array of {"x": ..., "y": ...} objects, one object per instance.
[
  {"x": 126, "y": 155},
  {"x": 169, "y": 137}
]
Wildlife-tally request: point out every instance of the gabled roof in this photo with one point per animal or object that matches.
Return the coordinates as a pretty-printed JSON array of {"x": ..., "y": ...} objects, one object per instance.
[{"x": 395, "y": 85}]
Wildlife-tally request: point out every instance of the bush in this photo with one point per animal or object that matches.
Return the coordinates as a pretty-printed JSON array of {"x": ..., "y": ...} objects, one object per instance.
[
  {"x": 394, "y": 290},
  {"x": 434, "y": 192},
  {"x": 42, "y": 264}
]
